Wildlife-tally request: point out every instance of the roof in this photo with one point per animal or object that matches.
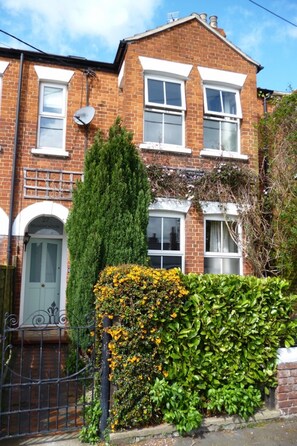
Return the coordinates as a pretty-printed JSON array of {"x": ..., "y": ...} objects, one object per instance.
[{"x": 193, "y": 16}]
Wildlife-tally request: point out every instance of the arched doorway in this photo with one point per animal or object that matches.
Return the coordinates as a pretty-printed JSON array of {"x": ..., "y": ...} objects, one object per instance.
[{"x": 42, "y": 266}]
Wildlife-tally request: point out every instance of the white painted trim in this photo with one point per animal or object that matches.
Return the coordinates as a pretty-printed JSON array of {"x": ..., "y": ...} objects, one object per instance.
[
  {"x": 3, "y": 66},
  {"x": 174, "y": 69},
  {"x": 19, "y": 227},
  {"x": 170, "y": 205},
  {"x": 4, "y": 222},
  {"x": 164, "y": 147},
  {"x": 285, "y": 355},
  {"x": 216, "y": 208},
  {"x": 211, "y": 75},
  {"x": 53, "y": 74},
  {"x": 36, "y": 210},
  {"x": 50, "y": 152},
  {"x": 223, "y": 154},
  {"x": 121, "y": 75}
]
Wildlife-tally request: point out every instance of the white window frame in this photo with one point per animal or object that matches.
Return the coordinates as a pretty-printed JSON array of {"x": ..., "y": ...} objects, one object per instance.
[
  {"x": 223, "y": 116},
  {"x": 168, "y": 253},
  {"x": 225, "y": 81},
  {"x": 61, "y": 116},
  {"x": 165, "y": 109},
  {"x": 224, "y": 255},
  {"x": 53, "y": 77}
]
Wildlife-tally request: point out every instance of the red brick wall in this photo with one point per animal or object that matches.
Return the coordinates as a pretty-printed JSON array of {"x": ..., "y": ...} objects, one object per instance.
[
  {"x": 286, "y": 392},
  {"x": 205, "y": 49}
]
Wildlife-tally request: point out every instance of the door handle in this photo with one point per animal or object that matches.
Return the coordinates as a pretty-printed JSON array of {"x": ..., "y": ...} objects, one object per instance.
[{"x": 42, "y": 285}]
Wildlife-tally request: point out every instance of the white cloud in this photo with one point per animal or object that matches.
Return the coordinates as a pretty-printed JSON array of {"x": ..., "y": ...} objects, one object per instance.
[{"x": 61, "y": 22}]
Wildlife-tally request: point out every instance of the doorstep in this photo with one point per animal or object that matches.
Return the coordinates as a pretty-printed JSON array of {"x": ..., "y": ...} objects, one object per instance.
[{"x": 211, "y": 424}]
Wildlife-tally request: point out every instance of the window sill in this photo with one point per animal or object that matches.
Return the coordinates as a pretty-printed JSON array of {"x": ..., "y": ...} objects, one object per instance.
[
  {"x": 223, "y": 154},
  {"x": 165, "y": 148},
  {"x": 50, "y": 152}
]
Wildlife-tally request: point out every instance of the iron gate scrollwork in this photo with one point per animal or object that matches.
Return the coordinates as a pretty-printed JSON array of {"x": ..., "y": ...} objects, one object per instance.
[{"x": 47, "y": 378}]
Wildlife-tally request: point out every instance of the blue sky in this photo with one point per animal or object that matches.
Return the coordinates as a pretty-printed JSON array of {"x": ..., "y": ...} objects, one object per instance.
[{"x": 93, "y": 28}]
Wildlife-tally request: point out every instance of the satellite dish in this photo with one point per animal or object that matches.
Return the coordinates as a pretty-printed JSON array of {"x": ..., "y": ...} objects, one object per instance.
[{"x": 84, "y": 115}]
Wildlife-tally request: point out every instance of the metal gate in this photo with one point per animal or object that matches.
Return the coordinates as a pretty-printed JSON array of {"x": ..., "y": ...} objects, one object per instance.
[{"x": 47, "y": 374}]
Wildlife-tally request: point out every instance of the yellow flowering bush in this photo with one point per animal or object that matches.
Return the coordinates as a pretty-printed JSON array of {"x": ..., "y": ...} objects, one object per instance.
[{"x": 141, "y": 301}]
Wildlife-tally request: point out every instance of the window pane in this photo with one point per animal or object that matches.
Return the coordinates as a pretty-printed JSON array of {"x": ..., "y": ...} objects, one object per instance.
[
  {"x": 213, "y": 236},
  {"x": 213, "y": 98},
  {"x": 51, "y": 262},
  {"x": 171, "y": 234},
  {"x": 154, "y": 233},
  {"x": 229, "y": 244},
  {"x": 211, "y": 134},
  {"x": 229, "y": 136},
  {"x": 155, "y": 261},
  {"x": 173, "y": 94},
  {"x": 153, "y": 127},
  {"x": 231, "y": 266},
  {"x": 35, "y": 262},
  {"x": 155, "y": 91},
  {"x": 172, "y": 262},
  {"x": 46, "y": 226},
  {"x": 173, "y": 129},
  {"x": 53, "y": 100},
  {"x": 212, "y": 265},
  {"x": 51, "y": 132},
  {"x": 229, "y": 102}
]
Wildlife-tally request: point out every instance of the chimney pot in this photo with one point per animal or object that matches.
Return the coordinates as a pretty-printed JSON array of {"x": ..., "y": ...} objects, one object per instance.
[
  {"x": 203, "y": 17},
  {"x": 213, "y": 21}
]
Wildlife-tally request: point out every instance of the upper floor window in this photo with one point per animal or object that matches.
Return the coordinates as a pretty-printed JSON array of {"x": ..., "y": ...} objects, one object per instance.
[
  {"x": 52, "y": 112},
  {"x": 222, "y": 113},
  {"x": 164, "y": 111},
  {"x": 165, "y": 236},
  {"x": 221, "y": 254},
  {"x": 52, "y": 116}
]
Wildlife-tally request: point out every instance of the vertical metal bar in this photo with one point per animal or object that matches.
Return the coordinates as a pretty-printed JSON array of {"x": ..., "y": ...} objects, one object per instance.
[
  {"x": 40, "y": 379},
  {"x": 105, "y": 384}
]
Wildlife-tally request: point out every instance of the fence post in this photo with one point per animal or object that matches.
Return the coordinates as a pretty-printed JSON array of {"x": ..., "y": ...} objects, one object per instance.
[{"x": 105, "y": 384}]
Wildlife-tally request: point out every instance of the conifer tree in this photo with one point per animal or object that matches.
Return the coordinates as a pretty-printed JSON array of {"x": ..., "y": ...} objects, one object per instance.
[{"x": 108, "y": 220}]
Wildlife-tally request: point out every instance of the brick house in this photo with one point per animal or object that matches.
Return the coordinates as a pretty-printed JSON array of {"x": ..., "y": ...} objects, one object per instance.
[{"x": 190, "y": 98}]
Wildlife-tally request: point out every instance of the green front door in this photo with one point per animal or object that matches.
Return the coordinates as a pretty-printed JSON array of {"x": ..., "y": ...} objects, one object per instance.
[{"x": 43, "y": 276}]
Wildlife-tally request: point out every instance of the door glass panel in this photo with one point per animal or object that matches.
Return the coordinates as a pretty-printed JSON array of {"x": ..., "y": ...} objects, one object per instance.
[
  {"x": 51, "y": 263},
  {"x": 35, "y": 262},
  {"x": 46, "y": 226}
]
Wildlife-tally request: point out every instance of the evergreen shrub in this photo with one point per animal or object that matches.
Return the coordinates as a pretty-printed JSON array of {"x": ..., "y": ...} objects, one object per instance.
[
  {"x": 223, "y": 343},
  {"x": 141, "y": 301}
]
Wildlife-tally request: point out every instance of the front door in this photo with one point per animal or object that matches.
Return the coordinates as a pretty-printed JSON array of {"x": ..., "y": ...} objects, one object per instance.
[{"x": 43, "y": 276}]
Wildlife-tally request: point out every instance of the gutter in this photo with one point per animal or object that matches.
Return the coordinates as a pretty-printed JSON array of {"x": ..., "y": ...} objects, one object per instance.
[{"x": 14, "y": 160}]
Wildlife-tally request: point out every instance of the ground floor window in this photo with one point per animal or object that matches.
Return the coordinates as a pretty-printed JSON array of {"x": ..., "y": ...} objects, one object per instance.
[
  {"x": 222, "y": 254},
  {"x": 165, "y": 236}
]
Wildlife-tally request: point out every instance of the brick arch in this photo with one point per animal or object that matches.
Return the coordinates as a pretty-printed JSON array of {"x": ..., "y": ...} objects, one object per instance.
[{"x": 37, "y": 210}]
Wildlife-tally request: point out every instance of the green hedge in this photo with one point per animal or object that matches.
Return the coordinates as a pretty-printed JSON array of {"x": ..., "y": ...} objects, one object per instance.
[
  {"x": 223, "y": 344},
  {"x": 184, "y": 347}
]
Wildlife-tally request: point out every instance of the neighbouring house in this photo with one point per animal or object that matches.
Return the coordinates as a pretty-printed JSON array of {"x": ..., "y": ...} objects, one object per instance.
[{"x": 190, "y": 98}]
